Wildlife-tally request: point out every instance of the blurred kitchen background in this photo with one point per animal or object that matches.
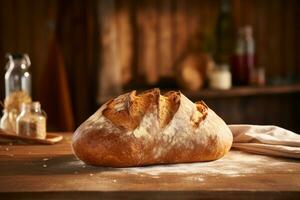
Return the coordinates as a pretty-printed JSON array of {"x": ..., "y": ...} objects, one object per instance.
[{"x": 242, "y": 57}]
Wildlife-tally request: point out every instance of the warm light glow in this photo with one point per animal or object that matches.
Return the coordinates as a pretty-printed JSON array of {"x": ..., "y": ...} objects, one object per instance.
[
  {"x": 26, "y": 74},
  {"x": 23, "y": 66}
]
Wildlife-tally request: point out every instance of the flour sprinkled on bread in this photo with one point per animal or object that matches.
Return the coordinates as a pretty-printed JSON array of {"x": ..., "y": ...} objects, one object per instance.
[{"x": 151, "y": 128}]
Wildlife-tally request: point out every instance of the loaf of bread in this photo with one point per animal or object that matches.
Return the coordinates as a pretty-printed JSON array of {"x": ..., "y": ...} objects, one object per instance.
[{"x": 150, "y": 128}]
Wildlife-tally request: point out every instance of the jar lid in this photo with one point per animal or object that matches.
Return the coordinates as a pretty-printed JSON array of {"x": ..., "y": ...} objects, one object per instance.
[
  {"x": 16, "y": 55},
  {"x": 221, "y": 68},
  {"x": 35, "y": 105},
  {"x": 19, "y": 57}
]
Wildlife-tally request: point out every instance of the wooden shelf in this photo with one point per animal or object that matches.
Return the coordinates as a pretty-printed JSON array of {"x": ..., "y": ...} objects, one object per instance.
[
  {"x": 244, "y": 91},
  {"x": 235, "y": 92}
]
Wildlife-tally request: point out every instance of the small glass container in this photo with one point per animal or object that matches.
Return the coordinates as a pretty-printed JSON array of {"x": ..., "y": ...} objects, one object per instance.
[
  {"x": 220, "y": 78},
  {"x": 258, "y": 76},
  {"x": 31, "y": 122},
  {"x": 8, "y": 121}
]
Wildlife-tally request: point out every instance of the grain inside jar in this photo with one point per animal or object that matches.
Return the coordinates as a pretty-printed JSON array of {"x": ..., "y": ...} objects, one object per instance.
[{"x": 32, "y": 121}]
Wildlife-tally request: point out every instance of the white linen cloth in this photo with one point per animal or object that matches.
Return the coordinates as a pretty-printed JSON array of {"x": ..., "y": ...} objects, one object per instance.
[{"x": 266, "y": 140}]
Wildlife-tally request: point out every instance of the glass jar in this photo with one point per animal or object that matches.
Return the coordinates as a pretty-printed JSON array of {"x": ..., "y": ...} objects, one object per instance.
[
  {"x": 8, "y": 121},
  {"x": 31, "y": 122},
  {"x": 17, "y": 76},
  {"x": 220, "y": 78}
]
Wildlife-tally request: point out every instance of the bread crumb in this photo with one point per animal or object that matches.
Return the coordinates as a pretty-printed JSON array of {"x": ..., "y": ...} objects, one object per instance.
[
  {"x": 44, "y": 165},
  {"x": 91, "y": 174}
]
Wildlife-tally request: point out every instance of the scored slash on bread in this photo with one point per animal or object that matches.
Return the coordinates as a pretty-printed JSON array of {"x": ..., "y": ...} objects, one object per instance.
[
  {"x": 168, "y": 106},
  {"x": 128, "y": 110},
  {"x": 151, "y": 128}
]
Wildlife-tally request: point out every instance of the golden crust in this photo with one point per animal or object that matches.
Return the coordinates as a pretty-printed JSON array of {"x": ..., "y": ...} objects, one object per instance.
[
  {"x": 134, "y": 109},
  {"x": 168, "y": 106},
  {"x": 125, "y": 153},
  {"x": 149, "y": 128}
]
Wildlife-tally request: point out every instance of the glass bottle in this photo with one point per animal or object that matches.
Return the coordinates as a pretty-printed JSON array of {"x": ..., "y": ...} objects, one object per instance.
[
  {"x": 249, "y": 52},
  {"x": 17, "y": 76},
  {"x": 220, "y": 78},
  {"x": 17, "y": 89},
  {"x": 31, "y": 122},
  {"x": 243, "y": 63},
  {"x": 239, "y": 71}
]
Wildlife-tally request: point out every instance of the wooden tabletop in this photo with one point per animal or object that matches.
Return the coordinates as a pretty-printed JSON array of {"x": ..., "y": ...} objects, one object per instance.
[{"x": 53, "y": 172}]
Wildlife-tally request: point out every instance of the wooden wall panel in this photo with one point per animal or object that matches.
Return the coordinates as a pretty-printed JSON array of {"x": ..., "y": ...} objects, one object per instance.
[
  {"x": 125, "y": 40},
  {"x": 165, "y": 42},
  {"x": 289, "y": 38},
  {"x": 180, "y": 29},
  {"x": 109, "y": 75},
  {"x": 296, "y": 21},
  {"x": 165, "y": 31},
  {"x": 184, "y": 24},
  {"x": 147, "y": 23},
  {"x": 24, "y": 29},
  {"x": 29, "y": 26}
]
